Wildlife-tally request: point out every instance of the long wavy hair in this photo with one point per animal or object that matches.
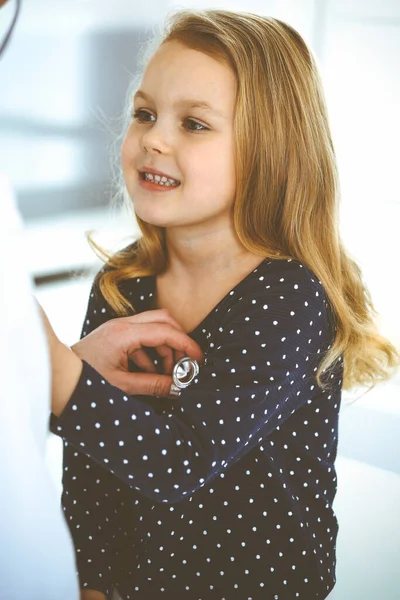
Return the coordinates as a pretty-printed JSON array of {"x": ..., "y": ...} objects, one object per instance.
[{"x": 287, "y": 187}]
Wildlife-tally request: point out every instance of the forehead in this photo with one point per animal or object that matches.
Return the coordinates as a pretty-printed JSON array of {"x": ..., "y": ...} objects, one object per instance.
[{"x": 176, "y": 72}]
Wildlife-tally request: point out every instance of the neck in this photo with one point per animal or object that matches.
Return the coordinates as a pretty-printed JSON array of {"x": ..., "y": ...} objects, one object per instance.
[{"x": 211, "y": 252}]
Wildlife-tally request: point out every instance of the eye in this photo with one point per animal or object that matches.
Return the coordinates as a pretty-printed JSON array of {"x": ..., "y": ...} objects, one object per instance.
[
  {"x": 142, "y": 116},
  {"x": 195, "y": 126}
]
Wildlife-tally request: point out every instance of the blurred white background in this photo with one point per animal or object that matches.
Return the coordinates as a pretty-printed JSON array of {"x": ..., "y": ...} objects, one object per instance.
[{"x": 63, "y": 86}]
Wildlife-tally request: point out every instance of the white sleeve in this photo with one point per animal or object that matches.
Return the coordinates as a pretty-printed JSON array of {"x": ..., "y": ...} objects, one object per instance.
[{"x": 37, "y": 559}]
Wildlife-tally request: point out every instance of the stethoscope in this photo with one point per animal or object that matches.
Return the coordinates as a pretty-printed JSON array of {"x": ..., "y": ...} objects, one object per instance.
[
  {"x": 184, "y": 371},
  {"x": 9, "y": 32}
]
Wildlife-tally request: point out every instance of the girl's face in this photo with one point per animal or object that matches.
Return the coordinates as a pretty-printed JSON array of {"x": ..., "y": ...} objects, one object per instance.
[{"x": 182, "y": 127}]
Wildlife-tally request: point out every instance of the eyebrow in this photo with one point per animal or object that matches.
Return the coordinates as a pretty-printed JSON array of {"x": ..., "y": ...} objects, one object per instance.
[{"x": 188, "y": 103}]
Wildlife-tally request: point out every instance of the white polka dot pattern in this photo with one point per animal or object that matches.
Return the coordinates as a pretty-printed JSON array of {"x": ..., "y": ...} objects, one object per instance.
[{"x": 227, "y": 491}]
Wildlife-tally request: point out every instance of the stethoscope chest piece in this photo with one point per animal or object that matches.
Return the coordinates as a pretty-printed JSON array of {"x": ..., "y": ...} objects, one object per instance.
[{"x": 185, "y": 370}]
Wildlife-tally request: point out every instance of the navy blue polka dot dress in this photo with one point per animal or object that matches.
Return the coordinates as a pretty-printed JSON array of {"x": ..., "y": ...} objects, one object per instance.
[{"x": 226, "y": 492}]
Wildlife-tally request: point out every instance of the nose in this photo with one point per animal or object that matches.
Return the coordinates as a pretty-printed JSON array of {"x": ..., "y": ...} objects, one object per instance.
[{"x": 156, "y": 140}]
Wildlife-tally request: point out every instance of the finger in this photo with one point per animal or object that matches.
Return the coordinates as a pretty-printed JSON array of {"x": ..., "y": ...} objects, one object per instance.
[
  {"x": 158, "y": 334},
  {"x": 178, "y": 355},
  {"x": 153, "y": 316},
  {"x": 143, "y": 384},
  {"x": 143, "y": 361},
  {"x": 168, "y": 357}
]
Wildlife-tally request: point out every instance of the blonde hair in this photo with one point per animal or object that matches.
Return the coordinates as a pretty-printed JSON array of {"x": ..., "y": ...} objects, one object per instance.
[{"x": 287, "y": 189}]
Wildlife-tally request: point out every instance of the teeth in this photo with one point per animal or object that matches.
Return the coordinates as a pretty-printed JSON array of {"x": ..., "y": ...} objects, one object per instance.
[{"x": 161, "y": 180}]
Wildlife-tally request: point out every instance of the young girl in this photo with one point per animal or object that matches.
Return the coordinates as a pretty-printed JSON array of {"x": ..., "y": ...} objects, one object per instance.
[{"x": 226, "y": 491}]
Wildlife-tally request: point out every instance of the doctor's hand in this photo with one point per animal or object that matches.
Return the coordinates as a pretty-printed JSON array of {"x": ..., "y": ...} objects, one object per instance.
[{"x": 108, "y": 349}]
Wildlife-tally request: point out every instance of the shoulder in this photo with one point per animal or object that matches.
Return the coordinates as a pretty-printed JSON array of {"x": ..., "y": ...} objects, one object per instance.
[
  {"x": 278, "y": 315},
  {"x": 290, "y": 269},
  {"x": 287, "y": 276},
  {"x": 121, "y": 274},
  {"x": 283, "y": 293},
  {"x": 97, "y": 301}
]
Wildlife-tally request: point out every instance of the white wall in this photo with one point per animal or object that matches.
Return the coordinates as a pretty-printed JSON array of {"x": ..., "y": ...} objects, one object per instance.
[{"x": 358, "y": 47}]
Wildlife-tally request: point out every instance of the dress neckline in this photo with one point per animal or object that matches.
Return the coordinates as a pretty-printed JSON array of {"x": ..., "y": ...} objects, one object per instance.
[{"x": 232, "y": 291}]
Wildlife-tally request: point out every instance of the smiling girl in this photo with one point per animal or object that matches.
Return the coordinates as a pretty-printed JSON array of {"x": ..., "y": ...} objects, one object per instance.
[{"x": 226, "y": 491}]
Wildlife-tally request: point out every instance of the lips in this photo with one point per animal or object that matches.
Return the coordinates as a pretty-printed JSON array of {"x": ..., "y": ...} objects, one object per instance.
[{"x": 147, "y": 169}]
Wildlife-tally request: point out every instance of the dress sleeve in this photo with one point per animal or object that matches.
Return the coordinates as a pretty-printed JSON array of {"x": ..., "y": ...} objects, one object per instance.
[
  {"x": 260, "y": 369},
  {"x": 86, "y": 498}
]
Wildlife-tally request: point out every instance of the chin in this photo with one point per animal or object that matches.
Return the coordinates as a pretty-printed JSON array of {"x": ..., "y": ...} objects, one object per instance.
[{"x": 151, "y": 218}]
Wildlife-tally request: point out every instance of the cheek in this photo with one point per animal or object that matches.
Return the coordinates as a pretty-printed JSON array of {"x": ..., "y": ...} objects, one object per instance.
[
  {"x": 129, "y": 151},
  {"x": 214, "y": 164},
  {"x": 218, "y": 173}
]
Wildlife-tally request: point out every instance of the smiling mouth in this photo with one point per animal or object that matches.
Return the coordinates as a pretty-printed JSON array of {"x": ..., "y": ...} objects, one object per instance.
[{"x": 160, "y": 180}]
